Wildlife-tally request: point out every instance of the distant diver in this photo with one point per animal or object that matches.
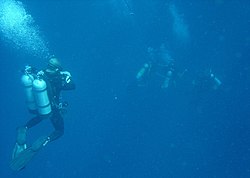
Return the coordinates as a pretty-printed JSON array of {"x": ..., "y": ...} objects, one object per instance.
[
  {"x": 160, "y": 67},
  {"x": 207, "y": 80},
  {"x": 42, "y": 90}
]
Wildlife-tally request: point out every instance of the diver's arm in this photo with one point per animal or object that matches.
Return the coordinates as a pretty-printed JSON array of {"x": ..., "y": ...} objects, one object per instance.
[{"x": 67, "y": 82}]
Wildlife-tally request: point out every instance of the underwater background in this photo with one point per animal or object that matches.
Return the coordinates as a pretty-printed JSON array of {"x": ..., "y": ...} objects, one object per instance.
[{"x": 114, "y": 128}]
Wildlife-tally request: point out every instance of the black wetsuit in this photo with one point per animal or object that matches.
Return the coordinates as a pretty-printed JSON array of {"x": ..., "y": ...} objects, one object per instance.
[{"x": 55, "y": 84}]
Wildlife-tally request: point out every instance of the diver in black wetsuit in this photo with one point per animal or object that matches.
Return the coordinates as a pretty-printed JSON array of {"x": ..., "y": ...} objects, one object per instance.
[{"x": 56, "y": 80}]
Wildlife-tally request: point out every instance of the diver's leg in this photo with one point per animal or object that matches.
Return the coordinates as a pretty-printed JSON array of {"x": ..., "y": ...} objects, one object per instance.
[
  {"x": 22, "y": 134},
  {"x": 20, "y": 141},
  {"x": 34, "y": 121},
  {"x": 58, "y": 123}
]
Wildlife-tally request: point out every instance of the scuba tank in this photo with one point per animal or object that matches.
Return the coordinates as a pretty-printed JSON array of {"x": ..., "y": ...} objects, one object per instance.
[
  {"x": 167, "y": 79},
  {"x": 216, "y": 81},
  {"x": 142, "y": 71},
  {"x": 41, "y": 96},
  {"x": 36, "y": 91},
  {"x": 27, "y": 81}
]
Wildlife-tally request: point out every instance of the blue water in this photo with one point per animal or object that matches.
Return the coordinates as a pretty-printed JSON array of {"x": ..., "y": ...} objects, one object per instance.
[{"x": 113, "y": 128}]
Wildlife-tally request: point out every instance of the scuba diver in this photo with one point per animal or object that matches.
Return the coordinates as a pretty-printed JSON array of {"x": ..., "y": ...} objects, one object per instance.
[
  {"x": 159, "y": 70},
  {"x": 43, "y": 89},
  {"x": 207, "y": 81},
  {"x": 206, "y": 91}
]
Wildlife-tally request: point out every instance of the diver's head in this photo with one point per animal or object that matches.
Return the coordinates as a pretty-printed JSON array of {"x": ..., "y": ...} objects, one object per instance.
[{"x": 54, "y": 66}]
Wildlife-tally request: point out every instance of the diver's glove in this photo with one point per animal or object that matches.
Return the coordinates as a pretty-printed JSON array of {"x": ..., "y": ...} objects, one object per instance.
[
  {"x": 66, "y": 76},
  {"x": 40, "y": 143}
]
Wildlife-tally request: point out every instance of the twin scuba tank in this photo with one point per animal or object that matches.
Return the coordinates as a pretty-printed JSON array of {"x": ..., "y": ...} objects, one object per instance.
[
  {"x": 216, "y": 81},
  {"x": 142, "y": 71},
  {"x": 167, "y": 79},
  {"x": 36, "y": 94}
]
